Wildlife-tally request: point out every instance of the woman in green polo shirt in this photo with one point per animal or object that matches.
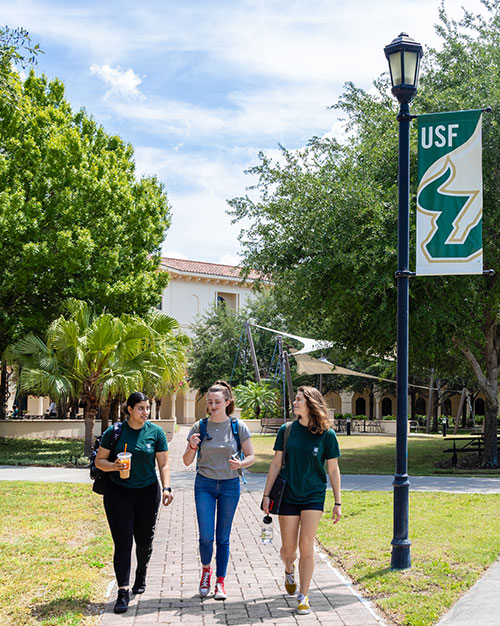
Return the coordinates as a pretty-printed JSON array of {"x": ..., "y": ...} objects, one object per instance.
[
  {"x": 311, "y": 443},
  {"x": 132, "y": 501}
]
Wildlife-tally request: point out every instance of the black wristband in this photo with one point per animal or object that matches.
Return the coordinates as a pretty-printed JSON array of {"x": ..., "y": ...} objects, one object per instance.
[
  {"x": 169, "y": 489},
  {"x": 337, "y": 504}
]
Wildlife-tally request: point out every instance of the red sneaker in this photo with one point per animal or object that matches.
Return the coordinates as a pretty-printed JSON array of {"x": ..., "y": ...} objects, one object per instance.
[
  {"x": 206, "y": 575},
  {"x": 220, "y": 593}
]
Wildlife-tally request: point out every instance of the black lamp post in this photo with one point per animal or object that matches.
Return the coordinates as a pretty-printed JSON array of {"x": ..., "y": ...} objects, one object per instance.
[{"x": 404, "y": 55}]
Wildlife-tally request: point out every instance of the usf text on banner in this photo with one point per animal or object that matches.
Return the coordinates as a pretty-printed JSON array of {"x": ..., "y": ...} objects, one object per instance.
[{"x": 450, "y": 194}]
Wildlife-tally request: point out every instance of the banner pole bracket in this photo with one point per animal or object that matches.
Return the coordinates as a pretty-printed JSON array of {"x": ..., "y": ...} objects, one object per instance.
[
  {"x": 404, "y": 274},
  {"x": 487, "y": 110},
  {"x": 488, "y": 272}
]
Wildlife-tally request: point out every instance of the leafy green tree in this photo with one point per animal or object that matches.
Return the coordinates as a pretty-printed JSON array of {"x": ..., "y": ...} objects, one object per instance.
[
  {"x": 325, "y": 224},
  {"x": 92, "y": 358},
  {"x": 75, "y": 221},
  {"x": 219, "y": 346}
]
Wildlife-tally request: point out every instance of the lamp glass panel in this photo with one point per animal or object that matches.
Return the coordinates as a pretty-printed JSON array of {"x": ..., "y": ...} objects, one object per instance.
[
  {"x": 396, "y": 70},
  {"x": 410, "y": 68}
]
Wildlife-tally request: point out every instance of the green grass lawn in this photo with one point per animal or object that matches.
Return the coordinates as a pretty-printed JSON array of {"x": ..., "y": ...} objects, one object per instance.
[
  {"x": 375, "y": 454},
  {"x": 55, "y": 555},
  {"x": 454, "y": 539},
  {"x": 52, "y": 452}
]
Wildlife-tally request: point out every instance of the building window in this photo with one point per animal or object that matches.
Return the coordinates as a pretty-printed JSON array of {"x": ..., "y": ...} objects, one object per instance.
[
  {"x": 420, "y": 406},
  {"x": 360, "y": 406},
  {"x": 386, "y": 407},
  {"x": 231, "y": 300}
]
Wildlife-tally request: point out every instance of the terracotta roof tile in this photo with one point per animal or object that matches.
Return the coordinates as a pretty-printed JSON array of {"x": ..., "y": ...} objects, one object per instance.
[{"x": 213, "y": 269}]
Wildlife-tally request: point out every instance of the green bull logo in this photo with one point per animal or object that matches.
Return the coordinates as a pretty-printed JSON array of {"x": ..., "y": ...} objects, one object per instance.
[{"x": 449, "y": 195}]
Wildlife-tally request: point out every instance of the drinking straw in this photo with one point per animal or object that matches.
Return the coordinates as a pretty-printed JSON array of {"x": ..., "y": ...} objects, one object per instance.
[{"x": 125, "y": 449}]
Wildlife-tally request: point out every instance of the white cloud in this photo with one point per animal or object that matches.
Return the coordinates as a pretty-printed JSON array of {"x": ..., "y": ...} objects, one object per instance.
[
  {"x": 123, "y": 83},
  {"x": 230, "y": 259},
  {"x": 222, "y": 79},
  {"x": 175, "y": 254},
  {"x": 198, "y": 188}
]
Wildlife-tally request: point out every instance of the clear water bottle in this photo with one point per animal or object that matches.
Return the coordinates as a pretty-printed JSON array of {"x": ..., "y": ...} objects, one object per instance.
[{"x": 266, "y": 533}]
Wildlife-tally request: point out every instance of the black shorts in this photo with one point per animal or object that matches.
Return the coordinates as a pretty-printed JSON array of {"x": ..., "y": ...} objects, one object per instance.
[{"x": 287, "y": 508}]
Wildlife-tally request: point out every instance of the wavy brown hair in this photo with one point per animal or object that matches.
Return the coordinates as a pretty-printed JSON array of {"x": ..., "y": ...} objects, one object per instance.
[
  {"x": 318, "y": 411},
  {"x": 220, "y": 386}
]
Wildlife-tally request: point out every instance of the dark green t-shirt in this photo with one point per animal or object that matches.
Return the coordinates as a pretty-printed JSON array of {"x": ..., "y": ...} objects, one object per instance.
[
  {"x": 143, "y": 444},
  {"x": 304, "y": 469}
]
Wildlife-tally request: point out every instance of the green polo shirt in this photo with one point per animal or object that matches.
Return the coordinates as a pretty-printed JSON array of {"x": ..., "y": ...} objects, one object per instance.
[
  {"x": 305, "y": 458},
  {"x": 143, "y": 444}
]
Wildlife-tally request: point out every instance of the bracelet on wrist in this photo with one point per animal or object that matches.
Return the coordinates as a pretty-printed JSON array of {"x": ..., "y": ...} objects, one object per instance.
[
  {"x": 337, "y": 504},
  {"x": 265, "y": 496},
  {"x": 195, "y": 448},
  {"x": 169, "y": 489}
]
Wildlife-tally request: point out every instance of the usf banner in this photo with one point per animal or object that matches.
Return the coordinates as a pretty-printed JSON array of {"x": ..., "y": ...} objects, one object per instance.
[{"x": 449, "y": 195}]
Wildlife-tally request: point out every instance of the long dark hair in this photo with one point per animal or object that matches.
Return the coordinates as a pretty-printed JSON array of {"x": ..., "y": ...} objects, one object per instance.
[
  {"x": 318, "y": 411},
  {"x": 135, "y": 398},
  {"x": 220, "y": 386}
]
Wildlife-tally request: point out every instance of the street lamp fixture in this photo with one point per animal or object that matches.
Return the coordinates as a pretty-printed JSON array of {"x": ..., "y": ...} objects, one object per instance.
[{"x": 403, "y": 54}]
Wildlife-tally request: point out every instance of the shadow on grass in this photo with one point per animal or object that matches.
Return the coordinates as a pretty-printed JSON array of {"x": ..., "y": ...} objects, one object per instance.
[
  {"x": 66, "y": 608},
  {"x": 375, "y": 574}
]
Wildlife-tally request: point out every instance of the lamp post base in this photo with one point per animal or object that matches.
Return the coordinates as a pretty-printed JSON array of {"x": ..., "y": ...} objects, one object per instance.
[{"x": 401, "y": 557}]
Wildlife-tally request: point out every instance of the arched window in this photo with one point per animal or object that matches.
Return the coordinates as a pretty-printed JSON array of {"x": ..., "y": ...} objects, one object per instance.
[
  {"x": 479, "y": 407},
  {"x": 386, "y": 407},
  {"x": 420, "y": 406},
  {"x": 360, "y": 406}
]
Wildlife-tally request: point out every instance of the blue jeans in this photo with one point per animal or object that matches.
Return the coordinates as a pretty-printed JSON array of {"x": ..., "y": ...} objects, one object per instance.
[{"x": 208, "y": 494}]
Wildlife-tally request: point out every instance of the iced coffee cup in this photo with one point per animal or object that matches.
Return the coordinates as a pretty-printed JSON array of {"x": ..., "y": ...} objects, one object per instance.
[{"x": 125, "y": 457}]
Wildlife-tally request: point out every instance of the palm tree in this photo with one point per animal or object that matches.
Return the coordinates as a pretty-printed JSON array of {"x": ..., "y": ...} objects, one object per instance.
[
  {"x": 94, "y": 358},
  {"x": 169, "y": 350},
  {"x": 256, "y": 397}
]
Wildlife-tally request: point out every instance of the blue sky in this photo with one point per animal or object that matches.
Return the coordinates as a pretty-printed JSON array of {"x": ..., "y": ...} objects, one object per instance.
[{"x": 199, "y": 87}]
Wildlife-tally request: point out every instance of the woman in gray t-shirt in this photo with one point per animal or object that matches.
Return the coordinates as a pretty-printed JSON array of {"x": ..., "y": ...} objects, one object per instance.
[{"x": 217, "y": 484}]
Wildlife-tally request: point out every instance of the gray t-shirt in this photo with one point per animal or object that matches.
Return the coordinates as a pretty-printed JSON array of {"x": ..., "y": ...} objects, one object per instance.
[{"x": 213, "y": 460}]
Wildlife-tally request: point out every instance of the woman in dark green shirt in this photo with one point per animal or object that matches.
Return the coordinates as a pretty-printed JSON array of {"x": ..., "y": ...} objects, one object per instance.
[
  {"x": 311, "y": 443},
  {"x": 132, "y": 498}
]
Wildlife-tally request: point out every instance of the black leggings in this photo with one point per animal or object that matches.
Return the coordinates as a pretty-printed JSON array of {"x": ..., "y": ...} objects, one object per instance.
[{"x": 131, "y": 515}]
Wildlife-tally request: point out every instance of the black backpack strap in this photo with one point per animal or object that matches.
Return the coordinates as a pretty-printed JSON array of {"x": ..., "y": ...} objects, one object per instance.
[
  {"x": 202, "y": 434},
  {"x": 115, "y": 435},
  {"x": 288, "y": 428}
]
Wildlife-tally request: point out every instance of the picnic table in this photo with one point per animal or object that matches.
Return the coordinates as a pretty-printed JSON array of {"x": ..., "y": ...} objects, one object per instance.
[{"x": 470, "y": 443}]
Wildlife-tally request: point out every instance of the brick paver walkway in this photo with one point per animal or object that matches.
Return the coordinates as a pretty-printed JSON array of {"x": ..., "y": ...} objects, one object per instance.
[{"x": 254, "y": 581}]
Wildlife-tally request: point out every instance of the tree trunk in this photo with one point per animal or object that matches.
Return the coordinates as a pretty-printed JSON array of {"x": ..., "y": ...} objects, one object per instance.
[
  {"x": 4, "y": 389},
  {"x": 89, "y": 417},
  {"x": 430, "y": 404},
  {"x": 113, "y": 412},
  {"x": 105, "y": 410},
  {"x": 435, "y": 408},
  {"x": 413, "y": 411},
  {"x": 488, "y": 384}
]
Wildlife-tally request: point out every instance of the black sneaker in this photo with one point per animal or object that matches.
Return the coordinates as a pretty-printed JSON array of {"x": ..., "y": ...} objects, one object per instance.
[
  {"x": 121, "y": 604},
  {"x": 140, "y": 582}
]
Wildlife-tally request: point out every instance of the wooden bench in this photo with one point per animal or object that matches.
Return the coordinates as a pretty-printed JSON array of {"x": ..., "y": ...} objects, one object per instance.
[{"x": 271, "y": 424}]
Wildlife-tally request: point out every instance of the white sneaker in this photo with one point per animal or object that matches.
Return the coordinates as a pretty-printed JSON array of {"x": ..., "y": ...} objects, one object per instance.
[
  {"x": 220, "y": 593},
  {"x": 303, "y": 607}
]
